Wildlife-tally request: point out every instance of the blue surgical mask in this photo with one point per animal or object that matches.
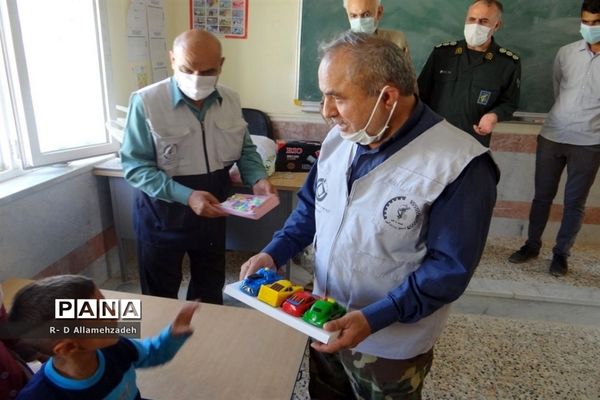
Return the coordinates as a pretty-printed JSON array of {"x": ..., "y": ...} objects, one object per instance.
[
  {"x": 364, "y": 25},
  {"x": 590, "y": 34}
]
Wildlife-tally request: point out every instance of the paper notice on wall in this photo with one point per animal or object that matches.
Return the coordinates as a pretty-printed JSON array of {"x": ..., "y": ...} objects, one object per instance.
[
  {"x": 156, "y": 22},
  {"x": 147, "y": 47},
  {"x": 140, "y": 75},
  {"x": 156, "y": 3},
  {"x": 137, "y": 50},
  {"x": 158, "y": 53},
  {"x": 136, "y": 19}
]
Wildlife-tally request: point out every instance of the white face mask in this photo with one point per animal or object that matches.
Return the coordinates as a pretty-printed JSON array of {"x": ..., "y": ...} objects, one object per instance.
[
  {"x": 364, "y": 25},
  {"x": 196, "y": 87},
  {"x": 476, "y": 34},
  {"x": 361, "y": 136}
]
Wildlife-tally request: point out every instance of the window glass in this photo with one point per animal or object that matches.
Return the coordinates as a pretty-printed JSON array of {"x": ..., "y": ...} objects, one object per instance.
[{"x": 64, "y": 71}]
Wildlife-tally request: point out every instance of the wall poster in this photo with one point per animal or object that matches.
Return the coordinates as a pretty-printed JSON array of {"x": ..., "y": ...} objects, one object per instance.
[{"x": 228, "y": 18}]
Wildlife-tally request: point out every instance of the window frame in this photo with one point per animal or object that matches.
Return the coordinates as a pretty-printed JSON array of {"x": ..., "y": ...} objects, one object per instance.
[
  {"x": 9, "y": 165},
  {"x": 22, "y": 103}
]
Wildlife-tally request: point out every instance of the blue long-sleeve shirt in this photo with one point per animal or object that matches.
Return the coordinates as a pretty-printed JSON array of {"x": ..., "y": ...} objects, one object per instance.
[
  {"x": 139, "y": 159},
  {"x": 115, "y": 376},
  {"x": 459, "y": 222}
]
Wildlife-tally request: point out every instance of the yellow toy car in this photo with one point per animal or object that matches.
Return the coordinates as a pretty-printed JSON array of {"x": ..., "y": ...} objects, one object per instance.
[{"x": 275, "y": 293}]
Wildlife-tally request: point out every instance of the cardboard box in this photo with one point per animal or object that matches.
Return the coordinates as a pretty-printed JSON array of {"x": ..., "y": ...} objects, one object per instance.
[{"x": 297, "y": 155}]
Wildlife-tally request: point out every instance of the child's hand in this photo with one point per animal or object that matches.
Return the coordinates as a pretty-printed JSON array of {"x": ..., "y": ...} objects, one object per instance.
[{"x": 181, "y": 325}]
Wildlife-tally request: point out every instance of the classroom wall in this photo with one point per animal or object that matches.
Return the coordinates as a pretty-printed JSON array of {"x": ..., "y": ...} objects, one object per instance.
[
  {"x": 66, "y": 226},
  {"x": 262, "y": 69},
  {"x": 63, "y": 226}
]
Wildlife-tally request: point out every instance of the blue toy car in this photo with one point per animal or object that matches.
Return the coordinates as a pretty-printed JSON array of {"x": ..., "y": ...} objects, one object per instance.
[{"x": 251, "y": 285}]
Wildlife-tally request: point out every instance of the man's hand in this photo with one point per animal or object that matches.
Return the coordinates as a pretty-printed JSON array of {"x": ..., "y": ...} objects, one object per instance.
[
  {"x": 181, "y": 325},
  {"x": 205, "y": 204},
  {"x": 353, "y": 327},
  {"x": 255, "y": 263},
  {"x": 263, "y": 187},
  {"x": 486, "y": 125}
]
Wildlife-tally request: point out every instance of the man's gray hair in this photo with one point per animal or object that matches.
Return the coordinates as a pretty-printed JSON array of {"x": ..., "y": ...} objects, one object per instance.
[
  {"x": 492, "y": 3},
  {"x": 346, "y": 3},
  {"x": 376, "y": 62}
]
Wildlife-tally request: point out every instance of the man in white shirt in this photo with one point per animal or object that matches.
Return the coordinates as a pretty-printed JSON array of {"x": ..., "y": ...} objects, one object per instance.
[{"x": 569, "y": 138}]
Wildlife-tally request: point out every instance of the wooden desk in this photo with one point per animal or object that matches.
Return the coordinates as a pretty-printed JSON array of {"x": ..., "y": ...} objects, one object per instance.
[
  {"x": 234, "y": 353},
  {"x": 238, "y": 229},
  {"x": 285, "y": 181}
]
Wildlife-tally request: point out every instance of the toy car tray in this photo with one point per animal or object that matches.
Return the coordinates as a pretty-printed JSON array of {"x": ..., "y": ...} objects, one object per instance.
[{"x": 323, "y": 336}]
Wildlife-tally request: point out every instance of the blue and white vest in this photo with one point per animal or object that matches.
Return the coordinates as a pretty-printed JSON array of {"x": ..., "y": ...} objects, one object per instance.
[
  {"x": 369, "y": 240},
  {"x": 178, "y": 135}
]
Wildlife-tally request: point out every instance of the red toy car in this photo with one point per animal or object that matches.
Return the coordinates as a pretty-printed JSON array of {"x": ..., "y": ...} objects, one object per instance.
[{"x": 298, "y": 303}]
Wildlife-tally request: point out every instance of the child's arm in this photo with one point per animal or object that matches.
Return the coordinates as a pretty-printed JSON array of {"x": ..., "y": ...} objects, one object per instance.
[{"x": 163, "y": 347}]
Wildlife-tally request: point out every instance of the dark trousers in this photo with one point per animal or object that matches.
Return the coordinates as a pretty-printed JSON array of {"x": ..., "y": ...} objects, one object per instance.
[
  {"x": 160, "y": 271},
  {"x": 582, "y": 164}
]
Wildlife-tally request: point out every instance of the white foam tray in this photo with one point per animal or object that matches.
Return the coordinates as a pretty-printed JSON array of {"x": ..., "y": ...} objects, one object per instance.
[{"x": 323, "y": 336}]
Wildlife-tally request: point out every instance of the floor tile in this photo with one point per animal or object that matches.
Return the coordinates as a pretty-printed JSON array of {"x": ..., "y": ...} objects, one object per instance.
[{"x": 542, "y": 346}]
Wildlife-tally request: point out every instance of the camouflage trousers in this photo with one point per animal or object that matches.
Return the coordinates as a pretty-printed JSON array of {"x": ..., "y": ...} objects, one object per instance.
[{"x": 353, "y": 375}]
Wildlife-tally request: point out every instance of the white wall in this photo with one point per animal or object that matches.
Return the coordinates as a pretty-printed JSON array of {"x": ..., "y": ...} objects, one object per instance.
[
  {"x": 44, "y": 224},
  {"x": 261, "y": 68}
]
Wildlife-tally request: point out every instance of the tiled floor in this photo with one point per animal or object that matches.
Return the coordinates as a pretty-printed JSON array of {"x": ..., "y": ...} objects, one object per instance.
[{"x": 539, "y": 339}]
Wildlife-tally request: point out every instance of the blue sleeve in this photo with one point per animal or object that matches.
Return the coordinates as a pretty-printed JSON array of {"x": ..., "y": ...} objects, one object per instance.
[
  {"x": 250, "y": 163},
  {"x": 459, "y": 222},
  {"x": 138, "y": 158},
  {"x": 36, "y": 388},
  {"x": 158, "y": 349},
  {"x": 299, "y": 229}
]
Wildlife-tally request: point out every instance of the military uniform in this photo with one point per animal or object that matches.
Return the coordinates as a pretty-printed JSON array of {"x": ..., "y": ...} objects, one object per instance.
[{"x": 462, "y": 84}]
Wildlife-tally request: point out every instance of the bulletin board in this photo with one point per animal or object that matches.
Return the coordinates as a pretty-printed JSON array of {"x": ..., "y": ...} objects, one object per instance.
[{"x": 227, "y": 18}]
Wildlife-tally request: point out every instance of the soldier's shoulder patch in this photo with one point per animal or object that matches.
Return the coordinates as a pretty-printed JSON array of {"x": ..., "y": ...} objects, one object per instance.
[
  {"x": 509, "y": 53},
  {"x": 446, "y": 44}
]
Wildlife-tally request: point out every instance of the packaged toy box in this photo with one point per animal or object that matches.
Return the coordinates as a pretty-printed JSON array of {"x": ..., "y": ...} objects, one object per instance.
[
  {"x": 249, "y": 206},
  {"x": 296, "y": 156}
]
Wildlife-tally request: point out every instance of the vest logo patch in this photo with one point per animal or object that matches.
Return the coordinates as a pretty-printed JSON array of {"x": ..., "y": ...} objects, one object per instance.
[
  {"x": 170, "y": 151},
  {"x": 321, "y": 191},
  {"x": 401, "y": 213},
  {"x": 484, "y": 97}
]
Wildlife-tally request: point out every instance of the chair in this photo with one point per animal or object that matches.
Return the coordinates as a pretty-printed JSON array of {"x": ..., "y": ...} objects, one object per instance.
[{"x": 259, "y": 122}]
